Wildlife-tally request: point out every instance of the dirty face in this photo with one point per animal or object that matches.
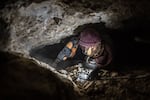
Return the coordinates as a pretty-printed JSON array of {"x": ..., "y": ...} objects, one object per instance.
[{"x": 93, "y": 51}]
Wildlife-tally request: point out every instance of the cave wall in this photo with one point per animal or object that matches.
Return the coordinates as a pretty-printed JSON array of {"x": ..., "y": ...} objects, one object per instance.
[
  {"x": 34, "y": 23},
  {"x": 43, "y": 23}
]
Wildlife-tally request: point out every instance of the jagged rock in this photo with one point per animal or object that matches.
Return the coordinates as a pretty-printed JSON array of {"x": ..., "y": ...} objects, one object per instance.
[
  {"x": 50, "y": 21},
  {"x": 22, "y": 78}
]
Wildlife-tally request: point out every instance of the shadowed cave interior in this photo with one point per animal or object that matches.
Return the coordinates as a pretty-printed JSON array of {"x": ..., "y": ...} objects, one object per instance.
[{"x": 129, "y": 53}]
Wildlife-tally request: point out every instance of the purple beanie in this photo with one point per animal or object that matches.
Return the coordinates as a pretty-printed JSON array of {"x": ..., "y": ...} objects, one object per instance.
[{"x": 89, "y": 37}]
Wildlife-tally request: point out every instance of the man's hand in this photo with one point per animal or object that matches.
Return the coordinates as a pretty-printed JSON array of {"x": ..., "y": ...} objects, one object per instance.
[
  {"x": 64, "y": 54},
  {"x": 69, "y": 50}
]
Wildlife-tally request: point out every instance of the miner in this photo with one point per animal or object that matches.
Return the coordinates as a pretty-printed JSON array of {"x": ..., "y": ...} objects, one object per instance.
[{"x": 96, "y": 48}]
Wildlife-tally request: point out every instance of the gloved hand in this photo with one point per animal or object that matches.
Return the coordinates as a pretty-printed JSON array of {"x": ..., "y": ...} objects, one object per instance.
[
  {"x": 64, "y": 54},
  {"x": 69, "y": 50}
]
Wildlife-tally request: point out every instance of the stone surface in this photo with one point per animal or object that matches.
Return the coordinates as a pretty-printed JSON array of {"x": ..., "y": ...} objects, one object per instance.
[
  {"x": 22, "y": 78},
  {"x": 47, "y": 22}
]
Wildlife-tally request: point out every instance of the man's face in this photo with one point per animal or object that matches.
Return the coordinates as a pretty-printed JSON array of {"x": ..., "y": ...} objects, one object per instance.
[{"x": 92, "y": 51}]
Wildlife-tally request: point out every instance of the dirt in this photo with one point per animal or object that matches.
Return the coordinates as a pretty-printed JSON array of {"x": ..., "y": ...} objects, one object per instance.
[{"x": 108, "y": 84}]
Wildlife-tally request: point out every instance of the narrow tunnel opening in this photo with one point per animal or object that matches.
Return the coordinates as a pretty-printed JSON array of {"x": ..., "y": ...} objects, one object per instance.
[
  {"x": 128, "y": 52},
  {"x": 48, "y": 53}
]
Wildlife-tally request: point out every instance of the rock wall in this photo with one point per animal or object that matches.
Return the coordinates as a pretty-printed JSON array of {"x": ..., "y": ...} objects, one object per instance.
[{"x": 39, "y": 23}]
